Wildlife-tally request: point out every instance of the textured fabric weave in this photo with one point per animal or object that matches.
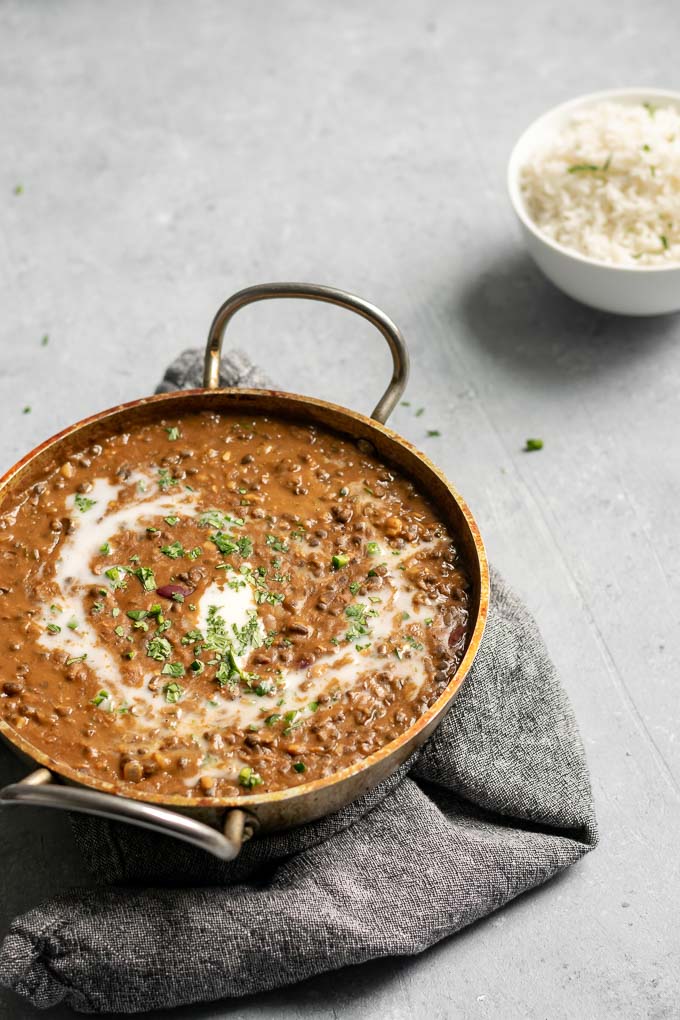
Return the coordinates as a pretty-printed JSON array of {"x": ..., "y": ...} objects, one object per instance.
[{"x": 497, "y": 802}]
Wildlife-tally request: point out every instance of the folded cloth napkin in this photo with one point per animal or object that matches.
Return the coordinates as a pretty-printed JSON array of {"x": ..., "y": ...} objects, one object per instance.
[{"x": 497, "y": 802}]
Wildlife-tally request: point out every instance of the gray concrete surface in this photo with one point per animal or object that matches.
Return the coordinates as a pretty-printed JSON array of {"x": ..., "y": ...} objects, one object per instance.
[{"x": 171, "y": 153}]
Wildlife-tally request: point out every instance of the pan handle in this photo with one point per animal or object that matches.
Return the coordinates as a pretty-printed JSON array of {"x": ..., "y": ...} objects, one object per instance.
[
  {"x": 39, "y": 790},
  {"x": 313, "y": 292}
]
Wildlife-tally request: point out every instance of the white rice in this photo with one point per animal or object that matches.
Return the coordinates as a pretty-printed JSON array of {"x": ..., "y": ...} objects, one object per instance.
[{"x": 608, "y": 184}]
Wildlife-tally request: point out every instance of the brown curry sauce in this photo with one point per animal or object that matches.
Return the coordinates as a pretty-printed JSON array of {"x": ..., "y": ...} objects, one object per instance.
[{"x": 208, "y": 606}]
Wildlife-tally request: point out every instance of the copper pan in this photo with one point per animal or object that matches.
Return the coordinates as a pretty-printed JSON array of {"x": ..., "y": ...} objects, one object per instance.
[{"x": 219, "y": 825}]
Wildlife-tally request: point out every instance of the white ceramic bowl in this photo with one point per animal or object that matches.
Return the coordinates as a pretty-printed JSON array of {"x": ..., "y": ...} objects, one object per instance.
[{"x": 628, "y": 290}]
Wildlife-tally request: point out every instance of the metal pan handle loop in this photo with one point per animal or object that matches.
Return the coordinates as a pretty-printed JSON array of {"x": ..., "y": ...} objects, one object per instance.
[
  {"x": 38, "y": 790},
  {"x": 313, "y": 292}
]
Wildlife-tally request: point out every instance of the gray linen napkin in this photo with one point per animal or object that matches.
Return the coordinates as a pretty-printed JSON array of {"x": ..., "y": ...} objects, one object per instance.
[{"x": 497, "y": 802}]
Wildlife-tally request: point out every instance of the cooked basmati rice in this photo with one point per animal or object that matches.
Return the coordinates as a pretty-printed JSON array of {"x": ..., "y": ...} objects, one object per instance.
[{"x": 608, "y": 185}]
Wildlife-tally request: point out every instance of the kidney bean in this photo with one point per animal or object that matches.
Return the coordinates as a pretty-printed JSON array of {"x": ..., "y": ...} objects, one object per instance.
[{"x": 166, "y": 591}]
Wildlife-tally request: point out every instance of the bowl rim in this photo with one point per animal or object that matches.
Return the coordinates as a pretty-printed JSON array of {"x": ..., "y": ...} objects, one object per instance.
[{"x": 513, "y": 169}]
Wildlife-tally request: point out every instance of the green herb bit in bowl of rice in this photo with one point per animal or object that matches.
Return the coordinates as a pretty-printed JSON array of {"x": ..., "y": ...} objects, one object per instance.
[{"x": 607, "y": 184}]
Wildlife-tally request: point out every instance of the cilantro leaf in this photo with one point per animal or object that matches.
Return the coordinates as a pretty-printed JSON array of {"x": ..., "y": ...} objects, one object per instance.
[
  {"x": 83, "y": 503},
  {"x": 173, "y": 692}
]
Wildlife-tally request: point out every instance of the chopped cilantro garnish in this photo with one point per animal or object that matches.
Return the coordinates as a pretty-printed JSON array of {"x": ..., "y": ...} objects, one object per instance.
[
  {"x": 299, "y": 766},
  {"x": 171, "y": 521},
  {"x": 241, "y": 638},
  {"x": 414, "y": 644},
  {"x": 220, "y": 521},
  {"x": 191, "y": 637},
  {"x": 54, "y": 628},
  {"x": 76, "y": 658},
  {"x": 339, "y": 561},
  {"x": 175, "y": 669},
  {"x": 165, "y": 479},
  {"x": 248, "y": 777},
  {"x": 354, "y": 587},
  {"x": 227, "y": 671},
  {"x": 83, "y": 503},
  {"x": 358, "y": 614},
  {"x": 420, "y": 411},
  {"x": 72, "y": 624},
  {"x": 158, "y": 648},
  {"x": 433, "y": 432},
  {"x": 101, "y": 696},
  {"x": 272, "y": 719},
  {"x": 174, "y": 551},
  {"x": 116, "y": 576},
  {"x": 372, "y": 548},
  {"x": 105, "y": 549},
  {"x": 276, "y": 543},
  {"x": 120, "y": 631},
  {"x": 248, "y": 636},
  {"x": 245, "y": 547},
  {"x": 173, "y": 433},
  {"x": 173, "y": 692},
  {"x": 225, "y": 543},
  {"x": 137, "y": 614},
  {"x": 146, "y": 577}
]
